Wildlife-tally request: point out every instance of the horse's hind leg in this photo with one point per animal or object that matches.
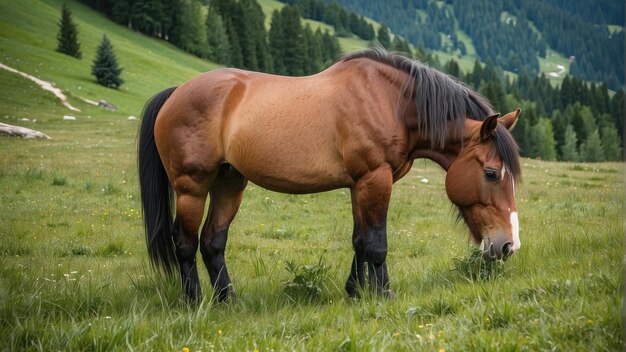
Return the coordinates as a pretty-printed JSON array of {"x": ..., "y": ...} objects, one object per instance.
[
  {"x": 226, "y": 195},
  {"x": 189, "y": 210}
]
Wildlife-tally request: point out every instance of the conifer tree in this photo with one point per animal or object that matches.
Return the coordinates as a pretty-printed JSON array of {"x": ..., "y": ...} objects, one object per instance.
[
  {"x": 569, "y": 149},
  {"x": 105, "y": 67},
  {"x": 383, "y": 36},
  {"x": 611, "y": 143},
  {"x": 541, "y": 140},
  {"x": 277, "y": 43},
  {"x": 217, "y": 38},
  {"x": 314, "y": 62},
  {"x": 331, "y": 48},
  {"x": 287, "y": 42},
  {"x": 190, "y": 32},
  {"x": 67, "y": 38},
  {"x": 592, "y": 149}
]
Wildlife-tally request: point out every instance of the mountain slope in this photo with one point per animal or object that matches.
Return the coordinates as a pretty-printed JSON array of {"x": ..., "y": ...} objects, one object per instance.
[
  {"x": 28, "y": 42},
  {"x": 515, "y": 35}
]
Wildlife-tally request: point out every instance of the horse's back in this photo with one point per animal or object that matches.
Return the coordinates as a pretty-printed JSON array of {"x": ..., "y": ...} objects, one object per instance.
[{"x": 280, "y": 132}]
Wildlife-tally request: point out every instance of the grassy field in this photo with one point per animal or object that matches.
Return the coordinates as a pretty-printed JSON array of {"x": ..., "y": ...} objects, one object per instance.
[{"x": 74, "y": 273}]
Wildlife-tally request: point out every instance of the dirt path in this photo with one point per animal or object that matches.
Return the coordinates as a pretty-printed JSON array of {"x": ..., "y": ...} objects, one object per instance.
[{"x": 44, "y": 85}]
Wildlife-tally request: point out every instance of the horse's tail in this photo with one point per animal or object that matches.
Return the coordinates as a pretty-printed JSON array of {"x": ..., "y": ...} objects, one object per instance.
[{"x": 156, "y": 191}]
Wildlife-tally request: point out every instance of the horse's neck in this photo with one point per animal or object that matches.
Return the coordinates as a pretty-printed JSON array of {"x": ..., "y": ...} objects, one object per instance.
[
  {"x": 422, "y": 147},
  {"x": 444, "y": 157}
]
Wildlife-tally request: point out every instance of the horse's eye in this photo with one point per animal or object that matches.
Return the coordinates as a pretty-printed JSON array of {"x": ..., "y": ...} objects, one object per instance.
[{"x": 491, "y": 175}]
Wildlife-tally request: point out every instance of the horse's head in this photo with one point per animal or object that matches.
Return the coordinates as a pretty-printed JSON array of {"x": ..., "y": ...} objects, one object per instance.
[{"x": 481, "y": 183}]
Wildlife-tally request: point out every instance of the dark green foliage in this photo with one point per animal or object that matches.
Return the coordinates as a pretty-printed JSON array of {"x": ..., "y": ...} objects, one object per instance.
[
  {"x": 541, "y": 142},
  {"x": 591, "y": 149},
  {"x": 452, "y": 68},
  {"x": 611, "y": 143},
  {"x": 217, "y": 39},
  {"x": 569, "y": 148},
  {"x": 383, "y": 36},
  {"x": 577, "y": 28},
  {"x": 585, "y": 106},
  {"x": 296, "y": 50},
  {"x": 105, "y": 67},
  {"x": 314, "y": 58},
  {"x": 400, "y": 45},
  {"x": 569, "y": 28},
  {"x": 244, "y": 21},
  {"x": 493, "y": 90},
  {"x": 67, "y": 38},
  {"x": 190, "y": 31},
  {"x": 402, "y": 16},
  {"x": 287, "y": 42},
  {"x": 331, "y": 49}
]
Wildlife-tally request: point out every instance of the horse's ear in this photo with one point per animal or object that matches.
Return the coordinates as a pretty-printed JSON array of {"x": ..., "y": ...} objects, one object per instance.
[
  {"x": 488, "y": 127},
  {"x": 510, "y": 120}
]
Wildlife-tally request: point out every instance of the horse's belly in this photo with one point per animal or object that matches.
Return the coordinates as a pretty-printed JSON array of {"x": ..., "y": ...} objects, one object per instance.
[{"x": 288, "y": 164}]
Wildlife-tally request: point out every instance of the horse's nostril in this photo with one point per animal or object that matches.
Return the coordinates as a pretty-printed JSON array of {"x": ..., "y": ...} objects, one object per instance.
[{"x": 506, "y": 249}]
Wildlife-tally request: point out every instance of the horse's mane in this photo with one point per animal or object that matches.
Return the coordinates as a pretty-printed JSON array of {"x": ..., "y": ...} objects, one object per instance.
[{"x": 440, "y": 98}]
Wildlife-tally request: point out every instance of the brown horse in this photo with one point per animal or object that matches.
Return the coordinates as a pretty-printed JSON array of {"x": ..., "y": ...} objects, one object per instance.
[{"x": 358, "y": 125}]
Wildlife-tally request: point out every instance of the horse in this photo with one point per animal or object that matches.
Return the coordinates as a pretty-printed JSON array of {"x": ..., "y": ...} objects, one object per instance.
[{"x": 359, "y": 124}]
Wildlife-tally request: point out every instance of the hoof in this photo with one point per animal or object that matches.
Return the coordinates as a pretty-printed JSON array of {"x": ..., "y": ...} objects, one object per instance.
[{"x": 226, "y": 295}]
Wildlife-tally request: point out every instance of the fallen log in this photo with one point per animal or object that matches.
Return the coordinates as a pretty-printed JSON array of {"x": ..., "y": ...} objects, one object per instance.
[{"x": 23, "y": 132}]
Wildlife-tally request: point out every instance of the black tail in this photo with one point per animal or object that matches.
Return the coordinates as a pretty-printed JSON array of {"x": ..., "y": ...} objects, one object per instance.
[{"x": 156, "y": 190}]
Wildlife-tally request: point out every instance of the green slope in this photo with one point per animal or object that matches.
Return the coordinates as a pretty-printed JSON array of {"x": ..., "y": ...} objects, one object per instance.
[
  {"x": 347, "y": 44},
  {"x": 28, "y": 31}
]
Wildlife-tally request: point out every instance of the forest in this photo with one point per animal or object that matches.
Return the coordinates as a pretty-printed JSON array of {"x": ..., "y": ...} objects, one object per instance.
[
  {"x": 576, "y": 121},
  {"x": 512, "y": 33}
]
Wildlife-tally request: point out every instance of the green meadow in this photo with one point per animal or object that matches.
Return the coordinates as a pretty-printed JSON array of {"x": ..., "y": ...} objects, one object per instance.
[{"x": 74, "y": 272}]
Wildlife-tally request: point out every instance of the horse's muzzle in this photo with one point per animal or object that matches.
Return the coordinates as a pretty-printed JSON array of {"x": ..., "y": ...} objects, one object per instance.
[{"x": 495, "y": 250}]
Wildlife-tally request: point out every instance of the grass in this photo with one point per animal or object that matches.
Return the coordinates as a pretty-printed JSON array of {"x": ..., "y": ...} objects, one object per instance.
[{"x": 74, "y": 273}]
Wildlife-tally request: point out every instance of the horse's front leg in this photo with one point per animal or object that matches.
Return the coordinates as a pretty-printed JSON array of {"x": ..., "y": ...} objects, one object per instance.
[
  {"x": 356, "y": 279},
  {"x": 372, "y": 193}
]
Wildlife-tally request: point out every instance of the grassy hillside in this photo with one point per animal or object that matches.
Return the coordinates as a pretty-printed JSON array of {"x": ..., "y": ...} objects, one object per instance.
[
  {"x": 74, "y": 273},
  {"x": 28, "y": 40}
]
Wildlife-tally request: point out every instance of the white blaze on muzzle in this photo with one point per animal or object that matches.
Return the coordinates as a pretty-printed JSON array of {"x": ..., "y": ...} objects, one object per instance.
[{"x": 515, "y": 230}]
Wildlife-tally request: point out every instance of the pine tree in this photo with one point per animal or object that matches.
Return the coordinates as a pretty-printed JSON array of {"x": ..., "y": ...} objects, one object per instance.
[
  {"x": 190, "y": 32},
  {"x": 383, "y": 36},
  {"x": 287, "y": 42},
  {"x": 105, "y": 67},
  {"x": 611, "y": 143},
  {"x": 569, "y": 149},
  {"x": 277, "y": 43},
  {"x": 67, "y": 38},
  {"x": 236, "y": 57},
  {"x": 541, "y": 140},
  {"x": 592, "y": 149},
  {"x": 217, "y": 38},
  {"x": 452, "y": 68},
  {"x": 331, "y": 48},
  {"x": 314, "y": 62}
]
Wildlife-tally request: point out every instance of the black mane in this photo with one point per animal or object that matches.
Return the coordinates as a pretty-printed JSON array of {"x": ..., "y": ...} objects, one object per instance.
[{"x": 440, "y": 98}]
